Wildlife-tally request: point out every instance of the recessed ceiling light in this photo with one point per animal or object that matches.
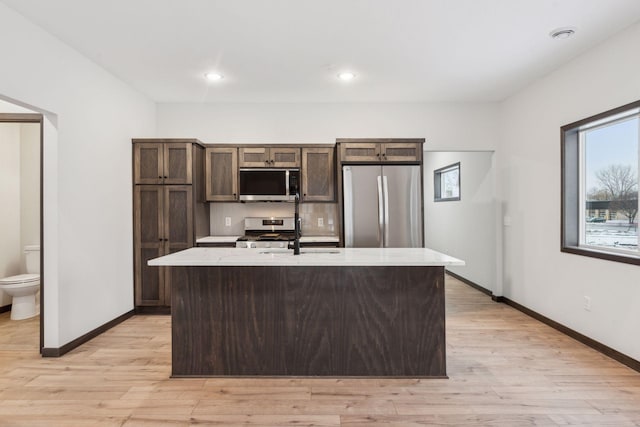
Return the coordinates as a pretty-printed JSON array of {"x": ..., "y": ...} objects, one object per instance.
[
  {"x": 346, "y": 75},
  {"x": 214, "y": 77},
  {"x": 562, "y": 33}
]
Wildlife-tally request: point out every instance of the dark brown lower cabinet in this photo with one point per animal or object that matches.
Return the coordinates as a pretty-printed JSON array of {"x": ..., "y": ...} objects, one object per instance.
[
  {"x": 381, "y": 321},
  {"x": 163, "y": 224}
]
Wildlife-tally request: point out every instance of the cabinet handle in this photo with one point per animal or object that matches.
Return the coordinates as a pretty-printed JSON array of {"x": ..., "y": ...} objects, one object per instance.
[
  {"x": 234, "y": 194},
  {"x": 160, "y": 239},
  {"x": 378, "y": 154},
  {"x": 160, "y": 177},
  {"x": 165, "y": 177}
]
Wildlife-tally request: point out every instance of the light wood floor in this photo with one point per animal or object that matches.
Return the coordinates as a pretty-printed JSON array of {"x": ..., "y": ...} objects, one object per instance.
[{"x": 505, "y": 369}]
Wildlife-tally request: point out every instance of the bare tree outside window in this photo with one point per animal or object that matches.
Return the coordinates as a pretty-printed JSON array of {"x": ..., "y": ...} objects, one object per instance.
[{"x": 619, "y": 185}]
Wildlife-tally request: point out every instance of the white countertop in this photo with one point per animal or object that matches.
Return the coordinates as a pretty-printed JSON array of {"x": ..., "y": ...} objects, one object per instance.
[
  {"x": 303, "y": 239},
  {"x": 217, "y": 239},
  {"x": 308, "y": 257}
]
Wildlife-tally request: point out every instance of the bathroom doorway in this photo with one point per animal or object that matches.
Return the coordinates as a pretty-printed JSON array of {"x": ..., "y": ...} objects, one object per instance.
[{"x": 22, "y": 138}]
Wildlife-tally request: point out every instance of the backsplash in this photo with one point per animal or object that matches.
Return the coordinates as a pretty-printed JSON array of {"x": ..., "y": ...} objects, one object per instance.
[{"x": 309, "y": 212}]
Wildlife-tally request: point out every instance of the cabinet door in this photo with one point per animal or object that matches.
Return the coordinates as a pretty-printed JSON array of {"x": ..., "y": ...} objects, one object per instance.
[
  {"x": 254, "y": 157},
  {"x": 360, "y": 152},
  {"x": 284, "y": 157},
  {"x": 178, "y": 217},
  {"x": 401, "y": 152},
  {"x": 177, "y": 163},
  {"x": 148, "y": 166},
  {"x": 149, "y": 243},
  {"x": 318, "y": 175},
  {"x": 178, "y": 227},
  {"x": 221, "y": 174}
]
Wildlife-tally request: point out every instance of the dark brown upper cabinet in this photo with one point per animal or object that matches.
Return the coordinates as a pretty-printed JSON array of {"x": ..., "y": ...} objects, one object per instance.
[
  {"x": 401, "y": 152},
  {"x": 380, "y": 150},
  {"x": 318, "y": 174},
  {"x": 221, "y": 174},
  {"x": 362, "y": 152},
  {"x": 163, "y": 163},
  {"x": 275, "y": 157}
]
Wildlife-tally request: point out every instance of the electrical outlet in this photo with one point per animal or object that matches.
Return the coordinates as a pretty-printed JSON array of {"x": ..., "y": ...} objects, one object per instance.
[
  {"x": 227, "y": 221},
  {"x": 587, "y": 303},
  {"x": 320, "y": 222}
]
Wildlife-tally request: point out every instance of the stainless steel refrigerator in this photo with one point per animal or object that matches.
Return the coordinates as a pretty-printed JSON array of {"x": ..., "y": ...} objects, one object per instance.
[{"x": 382, "y": 206}]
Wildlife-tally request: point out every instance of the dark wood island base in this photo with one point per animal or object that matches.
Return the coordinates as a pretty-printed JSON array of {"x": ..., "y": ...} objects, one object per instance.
[{"x": 360, "y": 321}]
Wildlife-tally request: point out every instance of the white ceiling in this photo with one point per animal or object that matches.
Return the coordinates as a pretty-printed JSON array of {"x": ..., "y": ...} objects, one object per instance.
[{"x": 291, "y": 50}]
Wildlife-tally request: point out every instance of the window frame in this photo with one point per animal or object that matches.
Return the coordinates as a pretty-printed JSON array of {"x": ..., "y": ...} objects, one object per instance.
[
  {"x": 572, "y": 187},
  {"x": 437, "y": 183}
]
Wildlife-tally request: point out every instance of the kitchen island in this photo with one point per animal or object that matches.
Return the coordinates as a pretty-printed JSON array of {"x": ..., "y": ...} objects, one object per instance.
[{"x": 327, "y": 312}]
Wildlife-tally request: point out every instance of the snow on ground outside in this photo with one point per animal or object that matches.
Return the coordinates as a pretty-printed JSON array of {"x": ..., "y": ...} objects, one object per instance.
[{"x": 616, "y": 234}]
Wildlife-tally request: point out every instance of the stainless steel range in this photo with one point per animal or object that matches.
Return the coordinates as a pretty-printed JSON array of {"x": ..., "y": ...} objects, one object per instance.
[{"x": 271, "y": 232}]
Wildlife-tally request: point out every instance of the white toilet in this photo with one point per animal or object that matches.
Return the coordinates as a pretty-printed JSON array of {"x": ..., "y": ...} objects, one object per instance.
[{"x": 24, "y": 287}]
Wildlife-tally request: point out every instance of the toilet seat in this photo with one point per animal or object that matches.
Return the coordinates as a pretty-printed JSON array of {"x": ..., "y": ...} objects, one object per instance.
[{"x": 20, "y": 279}]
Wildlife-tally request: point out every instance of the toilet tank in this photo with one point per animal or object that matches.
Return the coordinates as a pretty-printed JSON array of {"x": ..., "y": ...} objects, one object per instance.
[{"x": 32, "y": 258}]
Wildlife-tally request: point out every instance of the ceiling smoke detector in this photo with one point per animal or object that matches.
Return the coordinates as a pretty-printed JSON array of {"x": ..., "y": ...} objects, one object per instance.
[{"x": 562, "y": 33}]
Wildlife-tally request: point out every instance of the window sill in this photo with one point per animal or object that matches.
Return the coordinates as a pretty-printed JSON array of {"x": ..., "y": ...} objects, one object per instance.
[{"x": 609, "y": 256}]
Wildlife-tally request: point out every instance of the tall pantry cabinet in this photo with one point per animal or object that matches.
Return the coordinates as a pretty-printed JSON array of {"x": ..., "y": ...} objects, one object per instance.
[{"x": 169, "y": 212}]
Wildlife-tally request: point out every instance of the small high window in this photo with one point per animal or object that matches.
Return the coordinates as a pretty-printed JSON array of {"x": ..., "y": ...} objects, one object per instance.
[
  {"x": 600, "y": 163},
  {"x": 446, "y": 183}
]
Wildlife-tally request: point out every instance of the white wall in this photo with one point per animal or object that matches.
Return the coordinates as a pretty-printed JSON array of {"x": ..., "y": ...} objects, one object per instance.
[
  {"x": 465, "y": 228},
  {"x": 536, "y": 274},
  {"x": 29, "y": 185},
  {"x": 10, "y": 196},
  {"x": 90, "y": 119},
  {"x": 445, "y": 127}
]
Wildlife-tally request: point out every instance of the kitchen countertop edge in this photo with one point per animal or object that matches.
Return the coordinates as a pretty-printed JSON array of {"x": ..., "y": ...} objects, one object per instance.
[{"x": 310, "y": 257}]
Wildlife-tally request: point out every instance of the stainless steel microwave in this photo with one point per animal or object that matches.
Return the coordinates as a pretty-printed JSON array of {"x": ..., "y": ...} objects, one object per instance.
[{"x": 268, "y": 184}]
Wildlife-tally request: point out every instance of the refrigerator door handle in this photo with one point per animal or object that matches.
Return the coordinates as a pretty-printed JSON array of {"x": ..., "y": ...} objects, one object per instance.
[
  {"x": 380, "y": 213},
  {"x": 385, "y": 187},
  {"x": 348, "y": 206}
]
